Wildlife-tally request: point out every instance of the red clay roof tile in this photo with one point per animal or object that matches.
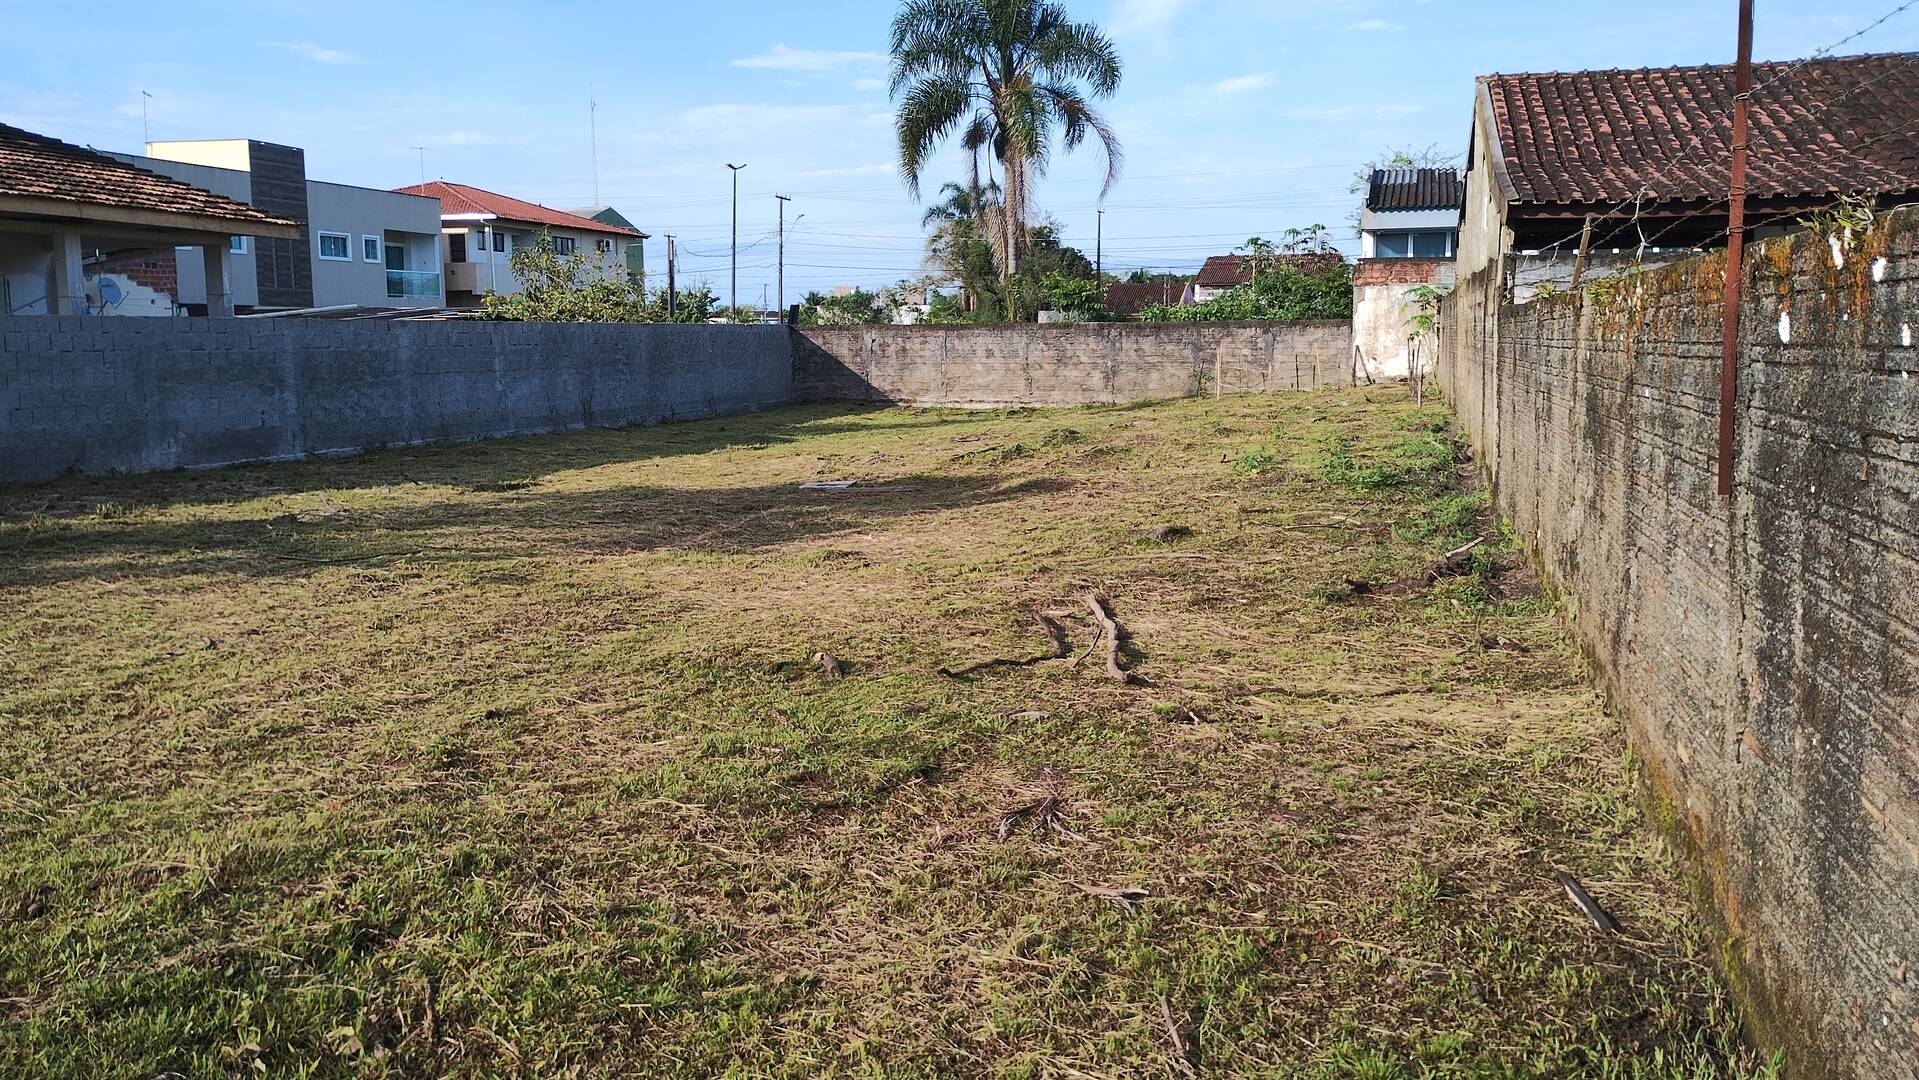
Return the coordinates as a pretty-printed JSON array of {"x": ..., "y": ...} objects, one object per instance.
[
  {"x": 466, "y": 199},
  {"x": 1843, "y": 125},
  {"x": 40, "y": 167}
]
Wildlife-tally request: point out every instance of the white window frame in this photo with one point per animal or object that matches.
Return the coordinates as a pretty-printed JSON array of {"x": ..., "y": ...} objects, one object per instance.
[
  {"x": 571, "y": 243},
  {"x": 319, "y": 246},
  {"x": 379, "y": 249},
  {"x": 239, "y": 245}
]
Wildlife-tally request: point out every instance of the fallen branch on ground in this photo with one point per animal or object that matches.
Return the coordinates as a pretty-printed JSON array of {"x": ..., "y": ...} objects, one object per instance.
[
  {"x": 1183, "y": 1055},
  {"x": 1123, "y": 899},
  {"x": 1053, "y": 632},
  {"x": 1454, "y": 563},
  {"x": 1096, "y": 602},
  {"x": 1602, "y": 919}
]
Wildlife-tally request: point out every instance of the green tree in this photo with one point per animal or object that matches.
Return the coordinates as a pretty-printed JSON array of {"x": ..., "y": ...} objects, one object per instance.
[
  {"x": 1281, "y": 293},
  {"x": 578, "y": 287},
  {"x": 1008, "y": 77},
  {"x": 583, "y": 287},
  {"x": 858, "y": 308}
]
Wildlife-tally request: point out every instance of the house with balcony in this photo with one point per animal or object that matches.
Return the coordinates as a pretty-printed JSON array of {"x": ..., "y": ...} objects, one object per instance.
[
  {"x": 635, "y": 250},
  {"x": 358, "y": 247},
  {"x": 484, "y": 228}
]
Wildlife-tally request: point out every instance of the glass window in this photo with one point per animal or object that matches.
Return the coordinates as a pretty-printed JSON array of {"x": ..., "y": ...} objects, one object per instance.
[
  {"x": 499, "y": 241},
  {"x": 456, "y": 247},
  {"x": 336, "y": 246},
  {"x": 562, "y": 245},
  {"x": 370, "y": 248},
  {"x": 1432, "y": 245},
  {"x": 237, "y": 244},
  {"x": 1392, "y": 245}
]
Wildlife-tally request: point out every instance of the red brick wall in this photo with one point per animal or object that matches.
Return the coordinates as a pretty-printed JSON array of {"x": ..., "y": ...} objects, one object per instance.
[{"x": 153, "y": 267}]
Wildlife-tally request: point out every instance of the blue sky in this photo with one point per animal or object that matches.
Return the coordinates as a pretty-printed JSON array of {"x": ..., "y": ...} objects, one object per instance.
[{"x": 1239, "y": 117}]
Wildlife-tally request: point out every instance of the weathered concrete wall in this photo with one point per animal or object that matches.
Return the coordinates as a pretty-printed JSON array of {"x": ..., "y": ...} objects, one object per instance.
[
  {"x": 93, "y": 395},
  {"x": 1073, "y": 364},
  {"x": 1763, "y": 650}
]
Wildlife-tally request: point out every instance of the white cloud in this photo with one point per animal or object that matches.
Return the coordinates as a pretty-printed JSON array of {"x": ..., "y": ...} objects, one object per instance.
[
  {"x": 1143, "y": 16},
  {"x": 1371, "y": 26},
  {"x": 1242, "y": 84},
  {"x": 317, "y": 53},
  {"x": 782, "y": 58},
  {"x": 867, "y": 86}
]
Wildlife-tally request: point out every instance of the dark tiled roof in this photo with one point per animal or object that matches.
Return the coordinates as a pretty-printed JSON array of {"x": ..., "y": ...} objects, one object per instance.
[
  {"x": 1833, "y": 126},
  {"x": 1398, "y": 271},
  {"x": 1416, "y": 189},
  {"x": 38, "y": 167},
  {"x": 467, "y": 199},
  {"x": 1126, "y": 299},
  {"x": 1230, "y": 270}
]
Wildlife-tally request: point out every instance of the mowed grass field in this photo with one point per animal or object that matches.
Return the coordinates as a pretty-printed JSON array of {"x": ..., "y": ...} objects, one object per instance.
[{"x": 516, "y": 759}]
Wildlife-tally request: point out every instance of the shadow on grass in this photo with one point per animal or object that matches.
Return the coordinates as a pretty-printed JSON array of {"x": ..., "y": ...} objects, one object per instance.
[
  {"x": 549, "y": 525},
  {"x": 492, "y": 465}
]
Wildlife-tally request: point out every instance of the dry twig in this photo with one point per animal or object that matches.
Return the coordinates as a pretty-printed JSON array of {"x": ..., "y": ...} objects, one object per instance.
[
  {"x": 1096, "y": 602},
  {"x": 1054, "y": 633}
]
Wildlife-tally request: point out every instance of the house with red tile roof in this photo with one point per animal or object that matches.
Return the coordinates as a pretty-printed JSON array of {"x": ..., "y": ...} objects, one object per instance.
[
  {"x": 1126, "y": 299},
  {"x": 484, "y": 228},
  {"x": 65, "y": 207},
  {"x": 1221, "y": 274},
  {"x": 1647, "y": 155}
]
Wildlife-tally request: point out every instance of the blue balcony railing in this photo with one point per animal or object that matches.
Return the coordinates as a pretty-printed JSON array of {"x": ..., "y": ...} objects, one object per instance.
[{"x": 413, "y": 284}]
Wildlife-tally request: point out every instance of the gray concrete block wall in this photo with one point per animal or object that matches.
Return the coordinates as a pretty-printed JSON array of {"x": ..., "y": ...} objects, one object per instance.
[
  {"x": 97, "y": 395},
  {"x": 1764, "y": 651},
  {"x": 1073, "y": 364}
]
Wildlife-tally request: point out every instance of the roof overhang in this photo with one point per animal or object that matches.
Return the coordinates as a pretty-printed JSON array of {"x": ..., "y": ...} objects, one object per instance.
[
  {"x": 66, "y": 211},
  {"x": 470, "y": 217},
  {"x": 1486, "y": 125}
]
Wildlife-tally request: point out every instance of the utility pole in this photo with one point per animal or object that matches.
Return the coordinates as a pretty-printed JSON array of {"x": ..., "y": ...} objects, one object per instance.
[
  {"x": 1735, "y": 250},
  {"x": 783, "y": 199},
  {"x": 1099, "y": 247},
  {"x": 146, "y": 135},
  {"x": 672, "y": 289},
  {"x": 422, "y": 152},
  {"x": 734, "y": 299}
]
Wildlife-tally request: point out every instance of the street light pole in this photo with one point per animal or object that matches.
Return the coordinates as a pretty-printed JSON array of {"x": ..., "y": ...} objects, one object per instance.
[
  {"x": 784, "y": 199},
  {"x": 735, "y": 299},
  {"x": 1099, "y": 247}
]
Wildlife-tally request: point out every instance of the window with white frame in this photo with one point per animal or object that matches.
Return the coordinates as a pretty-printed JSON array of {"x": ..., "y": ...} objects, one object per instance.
[
  {"x": 372, "y": 249},
  {"x": 335, "y": 246},
  {"x": 562, "y": 245},
  {"x": 603, "y": 246},
  {"x": 238, "y": 244}
]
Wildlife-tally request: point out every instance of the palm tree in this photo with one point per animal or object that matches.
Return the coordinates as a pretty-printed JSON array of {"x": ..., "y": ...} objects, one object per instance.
[
  {"x": 954, "y": 243},
  {"x": 1007, "y": 76}
]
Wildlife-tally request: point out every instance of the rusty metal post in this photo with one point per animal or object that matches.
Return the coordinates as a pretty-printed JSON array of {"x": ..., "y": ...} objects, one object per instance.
[{"x": 1735, "y": 249}]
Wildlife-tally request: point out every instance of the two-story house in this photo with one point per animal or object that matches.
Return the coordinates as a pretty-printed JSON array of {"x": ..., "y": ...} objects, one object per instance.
[
  {"x": 358, "y": 246},
  {"x": 1408, "y": 235},
  {"x": 483, "y": 229}
]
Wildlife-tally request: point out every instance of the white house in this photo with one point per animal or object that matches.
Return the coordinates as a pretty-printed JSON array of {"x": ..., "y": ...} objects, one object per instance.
[{"x": 360, "y": 246}]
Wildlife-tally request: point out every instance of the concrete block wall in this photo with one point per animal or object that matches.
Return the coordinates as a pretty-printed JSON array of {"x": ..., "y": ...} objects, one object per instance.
[
  {"x": 95, "y": 395},
  {"x": 1070, "y": 364},
  {"x": 1764, "y": 651}
]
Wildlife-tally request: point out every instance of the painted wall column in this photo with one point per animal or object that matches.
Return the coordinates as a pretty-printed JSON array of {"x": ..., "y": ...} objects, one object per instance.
[
  {"x": 67, "y": 284},
  {"x": 217, "y": 260}
]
